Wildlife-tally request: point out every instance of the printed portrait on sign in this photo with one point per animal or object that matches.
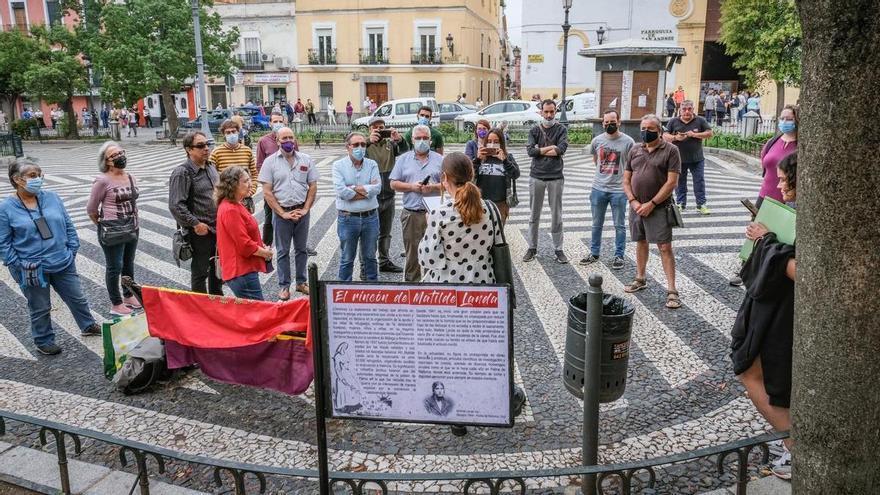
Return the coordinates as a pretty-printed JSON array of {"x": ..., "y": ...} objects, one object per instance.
[{"x": 438, "y": 403}]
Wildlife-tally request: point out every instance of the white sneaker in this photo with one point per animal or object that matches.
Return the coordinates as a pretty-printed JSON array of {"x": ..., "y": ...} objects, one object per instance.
[
  {"x": 782, "y": 467},
  {"x": 120, "y": 310}
]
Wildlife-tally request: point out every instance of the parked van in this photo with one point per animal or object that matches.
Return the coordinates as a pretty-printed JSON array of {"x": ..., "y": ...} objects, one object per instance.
[
  {"x": 155, "y": 111},
  {"x": 400, "y": 113},
  {"x": 579, "y": 107}
]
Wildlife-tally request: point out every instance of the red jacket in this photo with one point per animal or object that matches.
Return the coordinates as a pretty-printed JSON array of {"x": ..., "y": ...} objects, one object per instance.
[{"x": 238, "y": 238}]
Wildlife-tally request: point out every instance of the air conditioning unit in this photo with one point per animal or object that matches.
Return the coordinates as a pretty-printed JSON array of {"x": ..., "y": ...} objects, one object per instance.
[
  {"x": 355, "y": 76},
  {"x": 267, "y": 57},
  {"x": 282, "y": 63}
]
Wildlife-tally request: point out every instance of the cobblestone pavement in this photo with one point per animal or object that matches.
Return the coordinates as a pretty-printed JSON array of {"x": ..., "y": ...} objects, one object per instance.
[{"x": 681, "y": 391}]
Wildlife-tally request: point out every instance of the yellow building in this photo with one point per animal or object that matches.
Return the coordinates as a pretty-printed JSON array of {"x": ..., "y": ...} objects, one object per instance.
[{"x": 390, "y": 49}]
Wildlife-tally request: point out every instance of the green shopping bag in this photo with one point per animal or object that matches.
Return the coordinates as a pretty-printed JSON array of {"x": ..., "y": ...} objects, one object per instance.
[{"x": 121, "y": 336}]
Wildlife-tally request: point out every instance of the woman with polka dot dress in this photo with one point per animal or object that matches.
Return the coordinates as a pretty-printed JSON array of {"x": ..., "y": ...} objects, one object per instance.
[{"x": 460, "y": 235}]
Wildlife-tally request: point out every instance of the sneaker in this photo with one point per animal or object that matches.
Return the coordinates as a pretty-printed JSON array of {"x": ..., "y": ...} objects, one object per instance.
[
  {"x": 530, "y": 255},
  {"x": 119, "y": 310},
  {"x": 681, "y": 206},
  {"x": 617, "y": 263},
  {"x": 735, "y": 281},
  {"x": 561, "y": 257},
  {"x": 93, "y": 330},
  {"x": 390, "y": 267},
  {"x": 311, "y": 252},
  {"x": 49, "y": 349},
  {"x": 589, "y": 259},
  {"x": 782, "y": 467},
  {"x": 703, "y": 209},
  {"x": 132, "y": 302}
]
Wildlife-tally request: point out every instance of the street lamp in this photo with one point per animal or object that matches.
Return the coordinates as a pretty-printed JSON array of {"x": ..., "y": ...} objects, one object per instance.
[
  {"x": 450, "y": 44},
  {"x": 200, "y": 75},
  {"x": 87, "y": 62},
  {"x": 600, "y": 34},
  {"x": 566, "y": 4}
]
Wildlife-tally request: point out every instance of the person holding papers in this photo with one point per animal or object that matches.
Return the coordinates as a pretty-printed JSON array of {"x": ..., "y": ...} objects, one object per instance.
[{"x": 762, "y": 335}]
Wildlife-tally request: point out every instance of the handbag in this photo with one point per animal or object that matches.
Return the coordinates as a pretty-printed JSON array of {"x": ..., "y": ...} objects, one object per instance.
[
  {"x": 502, "y": 264},
  {"x": 120, "y": 230},
  {"x": 181, "y": 249},
  {"x": 512, "y": 198},
  {"x": 673, "y": 215}
]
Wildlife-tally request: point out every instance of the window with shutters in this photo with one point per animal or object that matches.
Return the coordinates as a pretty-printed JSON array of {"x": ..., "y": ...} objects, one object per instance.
[{"x": 427, "y": 89}]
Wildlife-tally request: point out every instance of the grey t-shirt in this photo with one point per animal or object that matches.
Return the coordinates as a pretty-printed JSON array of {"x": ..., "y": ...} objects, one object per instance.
[{"x": 611, "y": 155}]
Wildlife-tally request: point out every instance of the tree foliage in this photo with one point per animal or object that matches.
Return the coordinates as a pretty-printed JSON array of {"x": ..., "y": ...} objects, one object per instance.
[
  {"x": 17, "y": 53},
  {"x": 764, "y": 37}
]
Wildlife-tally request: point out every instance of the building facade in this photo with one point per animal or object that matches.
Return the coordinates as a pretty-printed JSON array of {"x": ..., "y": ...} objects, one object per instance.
[{"x": 389, "y": 49}]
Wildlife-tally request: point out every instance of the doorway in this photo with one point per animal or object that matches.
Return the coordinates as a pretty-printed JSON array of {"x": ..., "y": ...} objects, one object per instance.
[{"x": 378, "y": 92}]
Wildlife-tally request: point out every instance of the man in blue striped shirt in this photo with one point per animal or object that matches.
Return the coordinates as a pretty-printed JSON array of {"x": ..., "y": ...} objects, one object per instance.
[{"x": 357, "y": 183}]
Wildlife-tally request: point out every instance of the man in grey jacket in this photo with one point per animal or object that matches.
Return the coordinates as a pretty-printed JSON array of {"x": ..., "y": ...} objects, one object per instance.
[{"x": 547, "y": 144}]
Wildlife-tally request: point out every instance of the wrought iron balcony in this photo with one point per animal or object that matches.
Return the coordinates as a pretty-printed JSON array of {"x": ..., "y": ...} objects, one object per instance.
[
  {"x": 426, "y": 57},
  {"x": 250, "y": 61},
  {"x": 322, "y": 57},
  {"x": 374, "y": 57}
]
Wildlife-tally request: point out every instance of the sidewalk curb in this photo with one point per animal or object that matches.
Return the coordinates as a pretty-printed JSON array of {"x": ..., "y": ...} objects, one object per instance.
[{"x": 739, "y": 160}]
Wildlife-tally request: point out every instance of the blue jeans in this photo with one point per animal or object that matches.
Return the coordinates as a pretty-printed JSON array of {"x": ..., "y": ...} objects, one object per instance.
[
  {"x": 599, "y": 201},
  {"x": 354, "y": 231},
  {"x": 66, "y": 284},
  {"x": 696, "y": 168},
  {"x": 120, "y": 261},
  {"x": 247, "y": 286},
  {"x": 287, "y": 233}
]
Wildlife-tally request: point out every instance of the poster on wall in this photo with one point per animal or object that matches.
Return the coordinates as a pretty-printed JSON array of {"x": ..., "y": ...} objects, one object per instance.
[{"x": 439, "y": 354}]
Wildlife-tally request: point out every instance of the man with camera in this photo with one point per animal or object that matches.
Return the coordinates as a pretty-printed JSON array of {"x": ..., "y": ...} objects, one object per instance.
[{"x": 384, "y": 146}]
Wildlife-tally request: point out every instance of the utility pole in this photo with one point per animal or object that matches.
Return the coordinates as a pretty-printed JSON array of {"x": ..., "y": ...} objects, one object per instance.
[{"x": 200, "y": 73}]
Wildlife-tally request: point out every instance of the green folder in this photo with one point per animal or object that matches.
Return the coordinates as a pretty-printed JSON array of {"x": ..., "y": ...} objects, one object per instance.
[{"x": 779, "y": 218}]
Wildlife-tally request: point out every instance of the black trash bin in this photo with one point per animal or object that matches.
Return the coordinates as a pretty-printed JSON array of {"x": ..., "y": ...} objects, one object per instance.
[{"x": 617, "y": 317}]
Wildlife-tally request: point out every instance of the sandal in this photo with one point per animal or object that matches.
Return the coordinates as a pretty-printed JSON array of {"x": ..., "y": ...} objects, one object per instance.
[
  {"x": 636, "y": 285},
  {"x": 672, "y": 300}
]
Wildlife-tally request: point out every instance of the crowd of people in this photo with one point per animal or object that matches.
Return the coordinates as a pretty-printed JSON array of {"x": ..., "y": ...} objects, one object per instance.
[
  {"x": 718, "y": 106},
  {"x": 455, "y": 207}
]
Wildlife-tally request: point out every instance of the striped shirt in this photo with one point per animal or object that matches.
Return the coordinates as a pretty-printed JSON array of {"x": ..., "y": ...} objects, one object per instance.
[{"x": 223, "y": 157}]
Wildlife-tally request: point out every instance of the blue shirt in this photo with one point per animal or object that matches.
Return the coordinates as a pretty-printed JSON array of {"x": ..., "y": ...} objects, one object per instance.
[
  {"x": 346, "y": 175},
  {"x": 410, "y": 169},
  {"x": 20, "y": 240}
]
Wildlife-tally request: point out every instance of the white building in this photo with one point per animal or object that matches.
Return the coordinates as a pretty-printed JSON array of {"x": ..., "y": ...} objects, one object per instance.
[{"x": 266, "y": 52}]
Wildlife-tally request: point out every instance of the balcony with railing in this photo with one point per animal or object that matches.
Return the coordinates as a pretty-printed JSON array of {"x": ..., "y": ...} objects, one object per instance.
[
  {"x": 250, "y": 61},
  {"x": 426, "y": 57},
  {"x": 322, "y": 57},
  {"x": 373, "y": 57}
]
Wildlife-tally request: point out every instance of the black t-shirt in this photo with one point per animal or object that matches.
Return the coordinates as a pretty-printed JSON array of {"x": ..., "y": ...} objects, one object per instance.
[{"x": 691, "y": 149}]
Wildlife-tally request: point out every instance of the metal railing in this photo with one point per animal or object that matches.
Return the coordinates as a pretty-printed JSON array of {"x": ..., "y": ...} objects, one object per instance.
[
  {"x": 322, "y": 57},
  {"x": 426, "y": 57},
  {"x": 641, "y": 474},
  {"x": 369, "y": 56},
  {"x": 250, "y": 60},
  {"x": 10, "y": 145}
]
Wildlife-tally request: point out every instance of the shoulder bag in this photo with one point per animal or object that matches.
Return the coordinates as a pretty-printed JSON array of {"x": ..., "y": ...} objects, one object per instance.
[
  {"x": 673, "y": 215},
  {"x": 120, "y": 230},
  {"x": 502, "y": 264}
]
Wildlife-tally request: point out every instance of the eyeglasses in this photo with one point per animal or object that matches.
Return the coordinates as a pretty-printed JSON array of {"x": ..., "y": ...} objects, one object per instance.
[
  {"x": 200, "y": 146},
  {"x": 358, "y": 145},
  {"x": 116, "y": 155}
]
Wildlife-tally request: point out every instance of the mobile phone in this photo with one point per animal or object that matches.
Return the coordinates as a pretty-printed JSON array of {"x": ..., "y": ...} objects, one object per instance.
[
  {"x": 492, "y": 151},
  {"x": 425, "y": 180},
  {"x": 43, "y": 228},
  {"x": 749, "y": 206},
  {"x": 385, "y": 133}
]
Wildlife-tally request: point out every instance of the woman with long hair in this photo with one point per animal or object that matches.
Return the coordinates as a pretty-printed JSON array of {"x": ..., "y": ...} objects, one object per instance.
[
  {"x": 239, "y": 245},
  {"x": 495, "y": 169},
  {"x": 481, "y": 130}
]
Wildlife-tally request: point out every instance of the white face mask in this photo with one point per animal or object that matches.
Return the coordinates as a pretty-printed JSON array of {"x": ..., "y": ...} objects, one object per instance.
[
  {"x": 493, "y": 145},
  {"x": 422, "y": 145}
]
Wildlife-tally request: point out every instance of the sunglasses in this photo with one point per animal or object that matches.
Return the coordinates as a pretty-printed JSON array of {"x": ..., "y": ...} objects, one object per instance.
[
  {"x": 358, "y": 145},
  {"x": 200, "y": 146}
]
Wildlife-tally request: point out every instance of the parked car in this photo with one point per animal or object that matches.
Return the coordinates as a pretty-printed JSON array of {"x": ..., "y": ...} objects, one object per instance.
[
  {"x": 216, "y": 117},
  {"x": 399, "y": 113},
  {"x": 449, "y": 111},
  {"x": 257, "y": 115},
  {"x": 579, "y": 107},
  {"x": 517, "y": 111}
]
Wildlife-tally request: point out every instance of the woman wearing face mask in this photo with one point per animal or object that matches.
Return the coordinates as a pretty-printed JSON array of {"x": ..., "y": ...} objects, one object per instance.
[
  {"x": 480, "y": 132},
  {"x": 778, "y": 147},
  {"x": 494, "y": 169},
  {"x": 38, "y": 243},
  {"x": 112, "y": 207},
  {"x": 762, "y": 335}
]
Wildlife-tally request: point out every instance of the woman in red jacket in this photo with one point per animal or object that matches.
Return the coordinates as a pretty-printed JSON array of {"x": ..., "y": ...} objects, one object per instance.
[{"x": 239, "y": 246}]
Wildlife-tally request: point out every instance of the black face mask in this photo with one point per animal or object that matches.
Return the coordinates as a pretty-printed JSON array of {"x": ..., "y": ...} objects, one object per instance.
[
  {"x": 611, "y": 128},
  {"x": 120, "y": 161},
  {"x": 649, "y": 136}
]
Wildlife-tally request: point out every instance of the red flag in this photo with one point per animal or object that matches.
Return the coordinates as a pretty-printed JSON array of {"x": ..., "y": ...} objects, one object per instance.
[{"x": 206, "y": 321}]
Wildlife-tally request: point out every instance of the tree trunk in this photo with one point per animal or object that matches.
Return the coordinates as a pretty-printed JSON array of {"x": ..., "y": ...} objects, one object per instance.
[
  {"x": 7, "y": 104},
  {"x": 70, "y": 115},
  {"x": 835, "y": 400},
  {"x": 780, "y": 97},
  {"x": 170, "y": 113}
]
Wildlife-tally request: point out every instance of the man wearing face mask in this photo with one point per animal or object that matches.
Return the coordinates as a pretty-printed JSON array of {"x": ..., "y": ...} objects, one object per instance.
[
  {"x": 290, "y": 184},
  {"x": 547, "y": 143},
  {"x": 385, "y": 150},
  {"x": 416, "y": 174},
  {"x": 610, "y": 154},
  {"x": 648, "y": 181},
  {"x": 687, "y": 132},
  {"x": 357, "y": 183},
  {"x": 234, "y": 153},
  {"x": 425, "y": 114},
  {"x": 266, "y": 146}
]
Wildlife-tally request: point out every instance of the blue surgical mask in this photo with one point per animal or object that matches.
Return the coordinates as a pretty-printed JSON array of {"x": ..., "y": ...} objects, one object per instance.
[
  {"x": 34, "y": 185},
  {"x": 358, "y": 153},
  {"x": 424, "y": 121},
  {"x": 232, "y": 139},
  {"x": 787, "y": 126},
  {"x": 422, "y": 145},
  {"x": 277, "y": 126}
]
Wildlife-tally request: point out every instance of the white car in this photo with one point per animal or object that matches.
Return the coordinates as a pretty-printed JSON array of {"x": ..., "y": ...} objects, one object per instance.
[
  {"x": 579, "y": 107},
  {"x": 509, "y": 111},
  {"x": 400, "y": 113}
]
